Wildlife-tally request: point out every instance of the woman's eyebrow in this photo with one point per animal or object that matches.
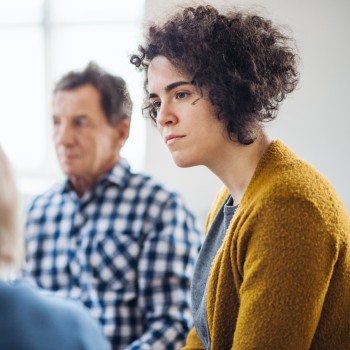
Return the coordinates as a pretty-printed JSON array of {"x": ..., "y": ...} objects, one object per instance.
[
  {"x": 176, "y": 84},
  {"x": 171, "y": 86}
]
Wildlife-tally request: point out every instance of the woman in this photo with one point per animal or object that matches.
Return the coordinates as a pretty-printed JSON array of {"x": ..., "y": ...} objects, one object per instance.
[
  {"x": 274, "y": 271},
  {"x": 30, "y": 320}
]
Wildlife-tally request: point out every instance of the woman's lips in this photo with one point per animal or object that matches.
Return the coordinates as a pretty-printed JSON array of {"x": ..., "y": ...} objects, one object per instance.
[{"x": 170, "y": 139}]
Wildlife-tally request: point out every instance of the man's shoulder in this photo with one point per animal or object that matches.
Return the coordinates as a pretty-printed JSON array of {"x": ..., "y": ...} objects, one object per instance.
[
  {"x": 51, "y": 195},
  {"x": 151, "y": 185}
]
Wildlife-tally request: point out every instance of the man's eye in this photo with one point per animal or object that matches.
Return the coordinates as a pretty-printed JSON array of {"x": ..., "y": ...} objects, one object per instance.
[{"x": 79, "y": 122}]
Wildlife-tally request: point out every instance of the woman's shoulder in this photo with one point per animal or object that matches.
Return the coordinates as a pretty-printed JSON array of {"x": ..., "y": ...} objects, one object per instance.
[{"x": 283, "y": 174}]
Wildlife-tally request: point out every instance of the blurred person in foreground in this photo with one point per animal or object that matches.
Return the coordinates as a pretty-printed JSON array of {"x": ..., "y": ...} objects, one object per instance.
[
  {"x": 118, "y": 241},
  {"x": 274, "y": 270},
  {"x": 30, "y": 320}
]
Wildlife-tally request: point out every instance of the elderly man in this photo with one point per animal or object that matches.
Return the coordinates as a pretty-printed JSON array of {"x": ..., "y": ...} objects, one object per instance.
[{"x": 118, "y": 241}]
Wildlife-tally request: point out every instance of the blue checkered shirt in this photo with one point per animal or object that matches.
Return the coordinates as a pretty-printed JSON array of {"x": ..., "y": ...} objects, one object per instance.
[{"x": 126, "y": 249}]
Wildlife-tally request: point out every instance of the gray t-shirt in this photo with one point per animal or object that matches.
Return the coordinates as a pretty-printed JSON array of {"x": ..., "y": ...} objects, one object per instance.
[{"x": 211, "y": 245}]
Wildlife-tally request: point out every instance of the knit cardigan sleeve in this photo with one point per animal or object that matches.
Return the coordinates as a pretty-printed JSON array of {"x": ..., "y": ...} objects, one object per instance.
[{"x": 286, "y": 272}]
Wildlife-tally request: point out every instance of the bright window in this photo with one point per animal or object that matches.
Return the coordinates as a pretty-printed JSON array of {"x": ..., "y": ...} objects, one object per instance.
[{"x": 40, "y": 41}]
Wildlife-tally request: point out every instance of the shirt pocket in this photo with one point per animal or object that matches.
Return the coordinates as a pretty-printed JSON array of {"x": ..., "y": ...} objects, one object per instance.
[{"x": 112, "y": 260}]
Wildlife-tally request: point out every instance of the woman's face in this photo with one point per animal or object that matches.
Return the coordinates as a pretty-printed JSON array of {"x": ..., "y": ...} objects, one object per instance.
[{"x": 186, "y": 119}]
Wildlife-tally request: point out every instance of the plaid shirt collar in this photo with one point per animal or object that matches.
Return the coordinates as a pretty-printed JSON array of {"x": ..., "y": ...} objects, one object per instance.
[{"x": 118, "y": 175}]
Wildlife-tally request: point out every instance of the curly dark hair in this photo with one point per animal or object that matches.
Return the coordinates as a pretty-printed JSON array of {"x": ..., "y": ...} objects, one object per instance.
[
  {"x": 247, "y": 64},
  {"x": 115, "y": 98}
]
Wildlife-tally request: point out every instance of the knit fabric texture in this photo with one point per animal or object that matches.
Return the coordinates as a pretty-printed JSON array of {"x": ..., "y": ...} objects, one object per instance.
[{"x": 281, "y": 279}]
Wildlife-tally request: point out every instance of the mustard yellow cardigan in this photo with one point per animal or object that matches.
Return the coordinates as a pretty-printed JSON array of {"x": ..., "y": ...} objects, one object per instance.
[{"x": 281, "y": 280}]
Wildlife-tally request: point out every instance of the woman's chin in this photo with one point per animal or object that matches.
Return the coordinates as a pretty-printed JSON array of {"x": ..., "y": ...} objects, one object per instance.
[{"x": 184, "y": 162}]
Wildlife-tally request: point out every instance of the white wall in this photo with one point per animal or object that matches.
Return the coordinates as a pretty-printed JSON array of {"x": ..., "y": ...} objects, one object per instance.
[{"x": 314, "y": 120}]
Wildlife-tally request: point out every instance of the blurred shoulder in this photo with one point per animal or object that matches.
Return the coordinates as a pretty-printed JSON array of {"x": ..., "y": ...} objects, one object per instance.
[
  {"x": 150, "y": 186},
  {"x": 33, "y": 313},
  {"x": 53, "y": 195}
]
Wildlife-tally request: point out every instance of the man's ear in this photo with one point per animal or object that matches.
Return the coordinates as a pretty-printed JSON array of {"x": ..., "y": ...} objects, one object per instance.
[{"x": 122, "y": 131}]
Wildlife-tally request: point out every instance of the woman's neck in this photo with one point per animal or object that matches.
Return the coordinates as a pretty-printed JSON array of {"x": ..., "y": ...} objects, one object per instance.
[{"x": 237, "y": 164}]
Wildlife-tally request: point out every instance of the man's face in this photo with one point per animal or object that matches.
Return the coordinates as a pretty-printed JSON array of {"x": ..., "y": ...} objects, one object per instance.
[{"x": 86, "y": 144}]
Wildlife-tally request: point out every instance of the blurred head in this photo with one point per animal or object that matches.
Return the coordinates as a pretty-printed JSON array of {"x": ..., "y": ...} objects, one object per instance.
[
  {"x": 245, "y": 63},
  {"x": 11, "y": 243},
  {"x": 115, "y": 99},
  {"x": 91, "y": 116}
]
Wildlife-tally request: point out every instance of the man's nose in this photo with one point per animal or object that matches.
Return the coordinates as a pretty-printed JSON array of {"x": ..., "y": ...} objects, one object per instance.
[{"x": 63, "y": 134}]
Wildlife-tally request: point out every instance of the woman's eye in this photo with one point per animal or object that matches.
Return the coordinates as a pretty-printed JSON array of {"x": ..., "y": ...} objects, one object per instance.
[
  {"x": 181, "y": 95},
  {"x": 153, "y": 113},
  {"x": 156, "y": 105},
  {"x": 153, "y": 109}
]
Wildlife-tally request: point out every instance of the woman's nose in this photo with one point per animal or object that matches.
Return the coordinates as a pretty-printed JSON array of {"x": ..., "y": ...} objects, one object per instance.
[{"x": 166, "y": 115}]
